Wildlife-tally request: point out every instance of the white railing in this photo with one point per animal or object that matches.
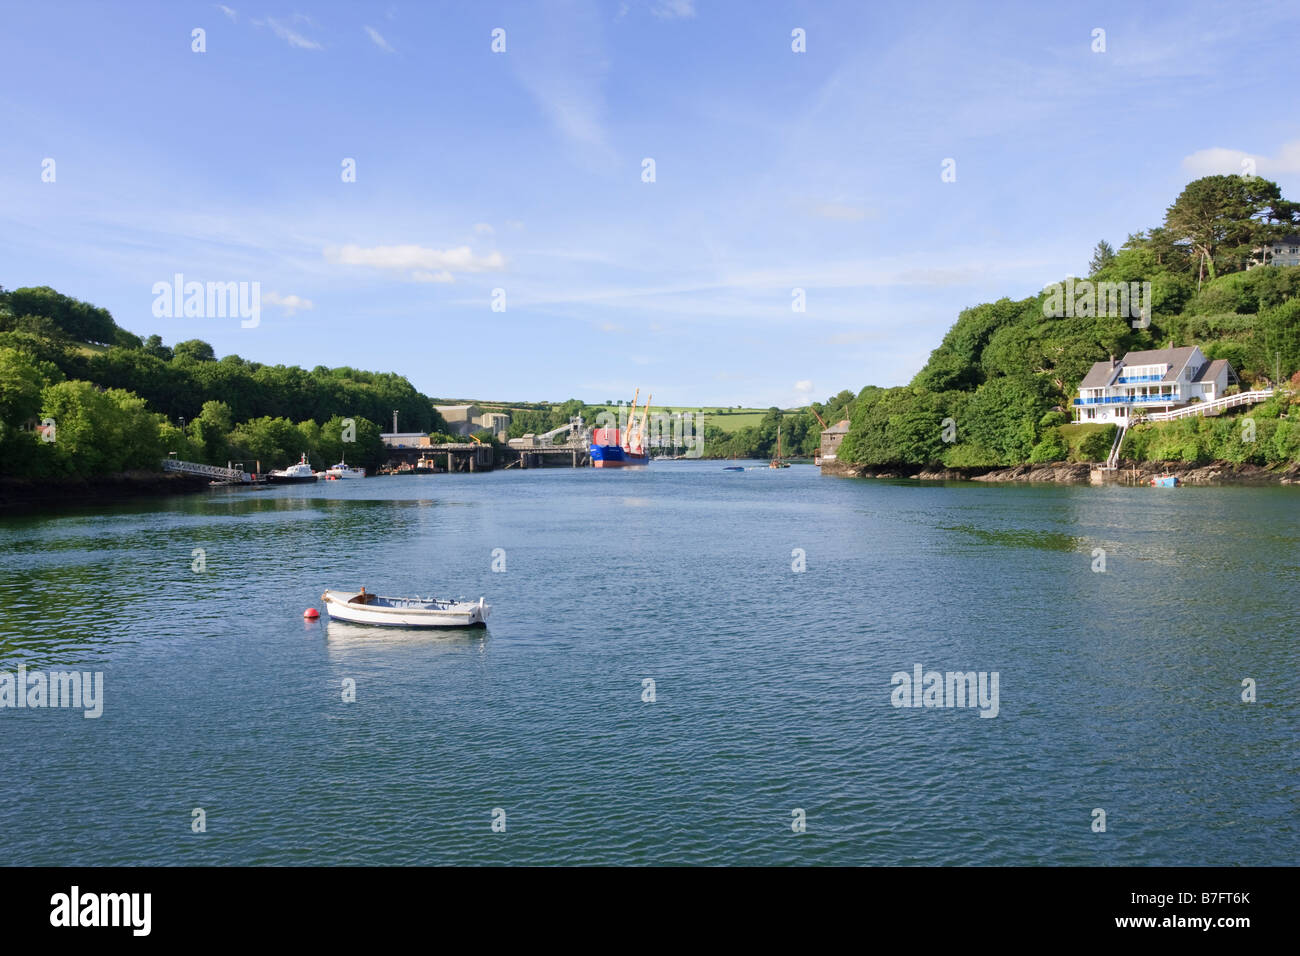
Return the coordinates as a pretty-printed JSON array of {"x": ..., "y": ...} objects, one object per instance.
[
  {"x": 1112, "y": 460},
  {"x": 1219, "y": 404},
  {"x": 208, "y": 471}
]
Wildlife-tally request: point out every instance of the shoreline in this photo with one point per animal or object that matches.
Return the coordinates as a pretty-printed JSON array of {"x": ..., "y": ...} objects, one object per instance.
[
  {"x": 1210, "y": 473},
  {"x": 29, "y": 494}
]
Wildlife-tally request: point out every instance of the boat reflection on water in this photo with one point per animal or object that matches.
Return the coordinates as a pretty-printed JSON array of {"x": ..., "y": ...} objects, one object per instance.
[{"x": 343, "y": 636}]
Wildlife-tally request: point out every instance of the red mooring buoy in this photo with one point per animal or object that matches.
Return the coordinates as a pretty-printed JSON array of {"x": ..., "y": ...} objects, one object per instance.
[{"x": 311, "y": 614}]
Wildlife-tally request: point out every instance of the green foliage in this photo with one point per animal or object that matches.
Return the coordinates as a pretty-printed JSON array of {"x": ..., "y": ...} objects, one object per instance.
[
  {"x": 1052, "y": 419},
  {"x": 194, "y": 350},
  {"x": 1051, "y": 448},
  {"x": 272, "y": 442},
  {"x": 1102, "y": 256},
  {"x": 1096, "y": 445},
  {"x": 1003, "y": 416},
  {"x": 99, "y": 432},
  {"x": 81, "y": 321},
  {"x": 20, "y": 387},
  {"x": 210, "y": 432},
  {"x": 1280, "y": 331}
]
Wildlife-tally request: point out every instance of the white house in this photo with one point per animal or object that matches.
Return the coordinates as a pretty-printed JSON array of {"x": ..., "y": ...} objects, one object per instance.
[
  {"x": 1152, "y": 381},
  {"x": 1277, "y": 252}
]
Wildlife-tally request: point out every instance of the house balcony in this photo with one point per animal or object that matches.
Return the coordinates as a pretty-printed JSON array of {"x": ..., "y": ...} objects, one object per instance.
[
  {"x": 1131, "y": 400},
  {"x": 1125, "y": 379}
]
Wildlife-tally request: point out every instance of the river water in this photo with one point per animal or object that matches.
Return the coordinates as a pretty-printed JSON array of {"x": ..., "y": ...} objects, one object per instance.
[{"x": 773, "y": 692}]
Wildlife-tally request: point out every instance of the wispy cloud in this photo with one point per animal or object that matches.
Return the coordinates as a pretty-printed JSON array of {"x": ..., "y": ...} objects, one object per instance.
[
  {"x": 232, "y": 15},
  {"x": 422, "y": 263},
  {"x": 674, "y": 9},
  {"x": 292, "y": 36},
  {"x": 377, "y": 38},
  {"x": 564, "y": 69}
]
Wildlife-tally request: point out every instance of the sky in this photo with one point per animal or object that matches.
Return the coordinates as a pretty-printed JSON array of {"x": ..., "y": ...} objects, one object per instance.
[{"x": 524, "y": 171}]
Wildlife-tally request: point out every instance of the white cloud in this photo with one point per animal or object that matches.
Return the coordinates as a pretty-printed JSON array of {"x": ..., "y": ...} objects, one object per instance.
[
  {"x": 674, "y": 9},
  {"x": 231, "y": 14},
  {"x": 1217, "y": 160},
  {"x": 483, "y": 229},
  {"x": 290, "y": 303},
  {"x": 804, "y": 386},
  {"x": 291, "y": 36},
  {"x": 424, "y": 264},
  {"x": 378, "y": 40}
]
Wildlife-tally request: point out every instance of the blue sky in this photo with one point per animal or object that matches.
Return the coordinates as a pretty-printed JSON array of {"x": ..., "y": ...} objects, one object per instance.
[{"x": 522, "y": 171}]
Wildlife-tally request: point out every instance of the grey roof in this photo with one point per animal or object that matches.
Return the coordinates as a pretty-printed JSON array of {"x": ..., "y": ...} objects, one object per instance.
[
  {"x": 839, "y": 428},
  {"x": 1176, "y": 359},
  {"x": 1212, "y": 369},
  {"x": 1100, "y": 375}
]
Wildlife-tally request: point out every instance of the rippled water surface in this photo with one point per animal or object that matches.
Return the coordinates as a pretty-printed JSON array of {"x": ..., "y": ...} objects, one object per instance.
[{"x": 1118, "y": 690}]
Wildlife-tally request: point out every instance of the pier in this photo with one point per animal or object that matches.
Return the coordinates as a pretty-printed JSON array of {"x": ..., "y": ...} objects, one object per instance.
[
  {"x": 235, "y": 476},
  {"x": 447, "y": 457}
]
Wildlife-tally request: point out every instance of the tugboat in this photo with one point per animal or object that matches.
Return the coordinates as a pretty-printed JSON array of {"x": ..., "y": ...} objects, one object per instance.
[{"x": 300, "y": 473}]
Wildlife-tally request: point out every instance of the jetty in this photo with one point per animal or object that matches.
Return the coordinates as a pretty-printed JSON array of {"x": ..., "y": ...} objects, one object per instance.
[{"x": 232, "y": 476}]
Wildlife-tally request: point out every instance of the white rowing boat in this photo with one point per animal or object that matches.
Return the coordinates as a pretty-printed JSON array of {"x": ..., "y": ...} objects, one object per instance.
[{"x": 361, "y": 607}]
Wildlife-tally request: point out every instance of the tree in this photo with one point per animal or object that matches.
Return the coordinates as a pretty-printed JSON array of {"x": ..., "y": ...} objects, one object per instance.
[
  {"x": 1101, "y": 257},
  {"x": 272, "y": 442},
  {"x": 99, "y": 432},
  {"x": 154, "y": 346},
  {"x": 80, "y": 320},
  {"x": 1220, "y": 214},
  {"x": 210, "y": 431},
  {"x": 194, "y": 350},
  {"x": 20, "y": 388}
]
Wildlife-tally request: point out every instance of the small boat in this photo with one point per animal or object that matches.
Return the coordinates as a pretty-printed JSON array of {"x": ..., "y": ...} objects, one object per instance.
[
  {"x": 294, "y": 474},
  {"x": 361, "y": 607},
  {"x": 1164, "y": 481},
  {"x": 343, "y": 470},
  {"x": 778, "y": 461},
  {"x": 733, "y": 467}
]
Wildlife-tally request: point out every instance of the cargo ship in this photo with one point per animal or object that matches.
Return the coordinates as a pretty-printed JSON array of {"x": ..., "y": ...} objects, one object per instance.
[{"x": 622, "y": 447}]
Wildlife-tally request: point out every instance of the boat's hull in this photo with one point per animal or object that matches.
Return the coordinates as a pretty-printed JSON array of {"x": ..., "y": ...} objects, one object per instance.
[
  {"x": 291, "y": 479},
  {"x": 616, "y": 456},
  {"x": 340, "y": 608}
]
